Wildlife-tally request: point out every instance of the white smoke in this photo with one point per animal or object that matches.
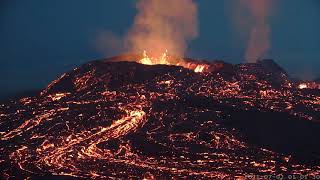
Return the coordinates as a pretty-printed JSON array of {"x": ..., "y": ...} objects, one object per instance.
[{"x": 159, "y": 25}]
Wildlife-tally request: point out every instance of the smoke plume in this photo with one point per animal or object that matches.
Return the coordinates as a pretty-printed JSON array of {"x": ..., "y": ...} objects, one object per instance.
[
  {"x": 162, "y": 25},
  {"x": 255, "y": 15}
]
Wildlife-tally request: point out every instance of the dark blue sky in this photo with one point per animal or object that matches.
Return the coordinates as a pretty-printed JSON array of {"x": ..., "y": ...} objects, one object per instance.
[{"x": 41, "y": 39}]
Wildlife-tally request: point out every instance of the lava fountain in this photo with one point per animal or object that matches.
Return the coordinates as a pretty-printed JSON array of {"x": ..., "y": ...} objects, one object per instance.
[{"x": 165, "y": 59}]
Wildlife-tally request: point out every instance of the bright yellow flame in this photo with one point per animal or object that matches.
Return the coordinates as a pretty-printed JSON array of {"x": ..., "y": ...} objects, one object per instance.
[
  {"x": 303, "y": 86},
  {"x": 199, "y": 68},
  {"x": 164, "y": 59}
]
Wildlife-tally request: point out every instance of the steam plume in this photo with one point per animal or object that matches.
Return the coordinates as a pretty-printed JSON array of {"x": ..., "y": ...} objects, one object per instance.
[
  {"x": 258, "y": 12},
  {"x": 163, "y": 25}
]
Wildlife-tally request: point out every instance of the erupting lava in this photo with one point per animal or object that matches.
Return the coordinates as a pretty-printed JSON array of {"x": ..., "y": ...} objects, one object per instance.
[
  {"x": 167, "y": 60},
  {"x": 303, "y": 86},
  {"x": 163, "y": 59}
]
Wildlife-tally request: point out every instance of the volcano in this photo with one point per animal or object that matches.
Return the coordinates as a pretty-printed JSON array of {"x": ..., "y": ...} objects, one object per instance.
[{"x": 112, "y": 119}]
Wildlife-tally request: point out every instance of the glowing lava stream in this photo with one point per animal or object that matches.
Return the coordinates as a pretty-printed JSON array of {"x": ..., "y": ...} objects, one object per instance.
[
  {"x": 120, "y": 127},
  {"x": 82, "y": 146},
  {"x": 27, "y": 125}
]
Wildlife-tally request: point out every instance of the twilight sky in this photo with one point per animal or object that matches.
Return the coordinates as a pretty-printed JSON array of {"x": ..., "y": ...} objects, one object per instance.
[{"x": 41, "y": 39}]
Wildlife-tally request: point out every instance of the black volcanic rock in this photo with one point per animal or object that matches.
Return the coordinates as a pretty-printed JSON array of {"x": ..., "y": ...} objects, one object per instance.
[
  {"x": 264, "y": 70},
  {"x": 126, "y": 120},
  {"x": 109, "y": 75},
  {"x": 271, "y": 66},
  {"x": 104, "y": 75}
]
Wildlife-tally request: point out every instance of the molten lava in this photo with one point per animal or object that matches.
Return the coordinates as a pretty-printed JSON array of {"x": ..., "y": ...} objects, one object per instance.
[
  {"x": 199, "y": 68},
  {"x": 167, "y": 60},
  {"x": 303, "y": 86},
  {"x": 163, "y": 59}
]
